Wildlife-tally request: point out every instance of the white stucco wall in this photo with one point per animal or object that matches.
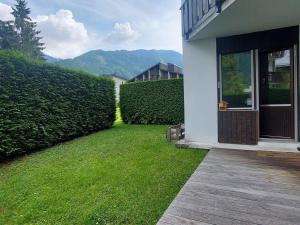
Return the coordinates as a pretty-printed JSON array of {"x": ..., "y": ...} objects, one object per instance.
[
  {"x": 297, "y": 114},
  {"x": 118, "y": 83},
  {"x": 200, "y": 87}
]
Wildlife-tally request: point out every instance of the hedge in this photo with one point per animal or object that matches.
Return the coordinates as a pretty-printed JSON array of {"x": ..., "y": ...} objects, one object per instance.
[
  {"x": 42, "y": 105},
  {"x": 152, "y": 102}
]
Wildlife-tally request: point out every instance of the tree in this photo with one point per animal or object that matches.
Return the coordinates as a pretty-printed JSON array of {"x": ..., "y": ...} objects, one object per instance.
[
  {"x": 9, "y": 38},
  {"x": 233, "y": 79},
  {"x": 30, "y": 42}
]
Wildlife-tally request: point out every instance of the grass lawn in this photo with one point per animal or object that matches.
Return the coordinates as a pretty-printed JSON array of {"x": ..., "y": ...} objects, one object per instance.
[{"x": 125, "y": 175}]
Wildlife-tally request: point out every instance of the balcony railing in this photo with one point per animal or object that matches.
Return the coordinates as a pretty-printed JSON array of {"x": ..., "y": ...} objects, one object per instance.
[{"x": 195, "y": 12}]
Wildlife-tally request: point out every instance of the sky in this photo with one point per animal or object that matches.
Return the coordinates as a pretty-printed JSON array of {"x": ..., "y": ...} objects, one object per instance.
[{"x": 72, "y": 27}]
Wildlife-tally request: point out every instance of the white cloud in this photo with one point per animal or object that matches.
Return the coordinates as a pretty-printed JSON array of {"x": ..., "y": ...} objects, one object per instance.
[
  {"x": 158, "y": 25},
  {"x": 146, "y": 25},
  {"x": 64, "y": 37},
  {"x": 160, "y": 33},
  {"x": 122, "y": 32},
  {"x": 5, "y": 12}
]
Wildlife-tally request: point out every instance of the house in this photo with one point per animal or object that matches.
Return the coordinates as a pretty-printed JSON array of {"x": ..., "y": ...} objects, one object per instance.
[
  {"x": 119, "y": 80},
  {"x": 241, "y": 66},
  {"x": 160, "y": 71}
]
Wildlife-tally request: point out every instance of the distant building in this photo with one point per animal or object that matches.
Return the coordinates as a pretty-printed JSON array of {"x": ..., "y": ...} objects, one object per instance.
[
  {"x": 160, "y": 71},
  {"x": 118, "y": 81}
]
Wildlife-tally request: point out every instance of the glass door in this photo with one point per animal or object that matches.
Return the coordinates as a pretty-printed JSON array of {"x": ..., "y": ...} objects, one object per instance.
[{"x": 276, "y": 94}]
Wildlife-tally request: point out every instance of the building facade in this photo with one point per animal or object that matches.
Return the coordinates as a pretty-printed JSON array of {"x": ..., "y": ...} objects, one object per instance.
[
  {"x": 241, "y": 66},
  {"x": 119, "y": 80},
  {"x": 160, "y": 71}
]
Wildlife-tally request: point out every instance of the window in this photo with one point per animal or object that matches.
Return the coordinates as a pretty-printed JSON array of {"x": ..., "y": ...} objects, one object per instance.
[
  {"x": 236, "y": 80},
  {"x": 276, "y": 79}
]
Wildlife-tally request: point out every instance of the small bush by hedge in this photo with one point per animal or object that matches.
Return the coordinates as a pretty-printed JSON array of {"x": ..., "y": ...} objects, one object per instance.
[
  {"x": 42, "y": 105},
  {"x": 153, "y": 102}
]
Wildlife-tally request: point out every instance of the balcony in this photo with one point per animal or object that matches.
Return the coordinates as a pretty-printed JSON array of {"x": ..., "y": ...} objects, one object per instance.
[
  {"x": 202, "y": 19},
  {"x": 196, "y": 12}
]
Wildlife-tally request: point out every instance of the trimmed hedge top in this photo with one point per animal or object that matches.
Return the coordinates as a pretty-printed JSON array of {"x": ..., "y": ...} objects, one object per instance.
[
  {"x": 153, "y": 102},
  {"x": 41, "y": 104}
]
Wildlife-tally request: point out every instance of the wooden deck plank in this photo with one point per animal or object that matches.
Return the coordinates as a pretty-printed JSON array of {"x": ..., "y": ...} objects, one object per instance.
[
  {"x": 239, "y": 187},
  {"x": 175, "y": 220},
  {"x": 241, "y": 208}
]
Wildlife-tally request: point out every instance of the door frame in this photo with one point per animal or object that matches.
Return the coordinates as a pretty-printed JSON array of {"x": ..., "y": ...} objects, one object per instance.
[
  {"x": 296, "y": 90},
  {"x": 294, "y": 86}
]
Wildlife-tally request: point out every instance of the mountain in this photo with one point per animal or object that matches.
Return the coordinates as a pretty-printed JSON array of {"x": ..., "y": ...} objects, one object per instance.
[{"x": 124, "y": 63}]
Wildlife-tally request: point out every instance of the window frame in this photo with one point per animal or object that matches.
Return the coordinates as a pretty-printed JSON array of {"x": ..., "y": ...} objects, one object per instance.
[{"x": 253, "y": 77}]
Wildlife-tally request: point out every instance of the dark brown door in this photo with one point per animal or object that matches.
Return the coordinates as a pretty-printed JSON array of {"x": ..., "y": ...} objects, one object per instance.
[{"x": 276, "y": 94}]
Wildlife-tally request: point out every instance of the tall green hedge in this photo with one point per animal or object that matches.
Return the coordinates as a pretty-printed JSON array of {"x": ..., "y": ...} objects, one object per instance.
[
  {"x": 152, "y": 102},
  {"x": 41, "y": 105}
]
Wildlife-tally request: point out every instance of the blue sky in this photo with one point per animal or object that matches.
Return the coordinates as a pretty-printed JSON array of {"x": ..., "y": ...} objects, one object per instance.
[{"x": 71, "y": 27}]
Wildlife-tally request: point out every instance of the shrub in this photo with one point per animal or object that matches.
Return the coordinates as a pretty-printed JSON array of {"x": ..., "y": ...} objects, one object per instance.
[
  {"x": 42, "y": 105},
  {"x": 152, "y": 102}
]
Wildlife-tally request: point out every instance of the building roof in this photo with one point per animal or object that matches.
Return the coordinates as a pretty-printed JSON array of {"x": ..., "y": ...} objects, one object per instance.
[
  {"x": 117, "y": 76},
  {"x": 155, "y": 65}
]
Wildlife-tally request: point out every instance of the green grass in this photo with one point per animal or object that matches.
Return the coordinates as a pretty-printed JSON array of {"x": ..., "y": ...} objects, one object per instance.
[
  {"x": 125, "y": 175},
  {"x": 118, "y": 117}
]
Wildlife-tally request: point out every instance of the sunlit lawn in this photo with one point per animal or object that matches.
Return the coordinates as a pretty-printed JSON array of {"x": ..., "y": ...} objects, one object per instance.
[
  {"x": 125, "y": 175},
  {"x": 118, "y": 117}
]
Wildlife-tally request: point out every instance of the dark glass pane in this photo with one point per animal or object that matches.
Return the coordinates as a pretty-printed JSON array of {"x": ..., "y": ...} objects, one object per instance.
[
  {"x": 195, "y": 13},
  {"x": 276, "y": 82},
  {"x": 237, "y": 80}
]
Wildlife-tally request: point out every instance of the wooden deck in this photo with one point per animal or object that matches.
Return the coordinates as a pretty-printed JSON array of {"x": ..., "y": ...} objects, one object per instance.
[{"x": 233, "y": 187}]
